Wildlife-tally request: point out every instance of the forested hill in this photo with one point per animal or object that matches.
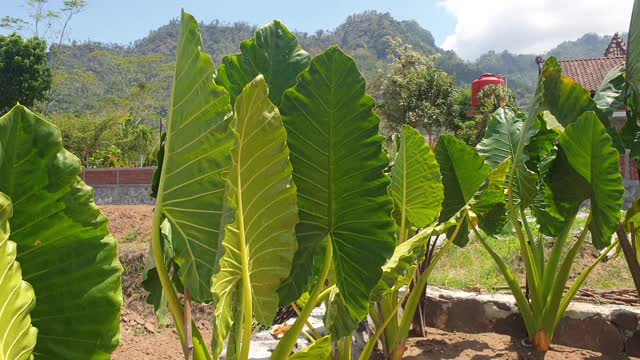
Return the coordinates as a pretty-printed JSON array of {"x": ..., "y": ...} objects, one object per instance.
[{"x": 366, "y": 36}]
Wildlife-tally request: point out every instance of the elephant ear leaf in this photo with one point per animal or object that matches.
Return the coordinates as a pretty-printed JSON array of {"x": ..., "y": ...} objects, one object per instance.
[
  {"x": 463, "y": 173},
  {"x": 274, "y": 52},
  {"x": 196, "y": 156},
  {"x": 416, "y": 185},
  {"x": 259, "y": 246},
  {"x": 587, "y": 167},
  {"x": 501, "y": 141},
  {"x": 338, "y": 164},
  {"x": 64, "y": 246},
  {"x": 17, "y": 336}
]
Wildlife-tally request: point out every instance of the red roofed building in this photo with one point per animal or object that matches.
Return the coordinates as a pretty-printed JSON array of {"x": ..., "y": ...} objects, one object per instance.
[{"x": 591, "y": 72}]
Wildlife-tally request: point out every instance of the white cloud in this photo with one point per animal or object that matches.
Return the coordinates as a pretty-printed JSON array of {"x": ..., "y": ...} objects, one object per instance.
[{"x": 529, "y": 26}]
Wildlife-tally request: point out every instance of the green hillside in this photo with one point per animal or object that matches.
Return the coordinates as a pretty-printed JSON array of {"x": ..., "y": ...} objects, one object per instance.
[{"x": 366, "y": 36}]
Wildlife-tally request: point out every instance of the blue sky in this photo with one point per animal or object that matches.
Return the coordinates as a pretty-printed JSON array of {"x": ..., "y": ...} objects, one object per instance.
[
  {"x": 469, "y": 27},
  {"x": 123, "y": 21}
]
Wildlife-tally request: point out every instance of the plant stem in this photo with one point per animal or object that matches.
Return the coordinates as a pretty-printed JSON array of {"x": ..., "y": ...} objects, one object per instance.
[
  {"x": 551, "y": 307},
  {"x": 577, "y": 284},
  {"x": 313, "y": 329},
  {"x": 525, "y": 250},
  {"x": 200, "y": 350},
  {"x": 514, "y": 286},
  {"x": 167, "y": 286},
  {"x": 288, "y": 341},
  {"x": 380, "y": 330},
  {"x": 188, "y": 350},
  {"x": 345, "y": 349},
  {"x": 632, "y": 261},
  {"x": 247, "y": 299},
  {"x": 421, "y": 283}
]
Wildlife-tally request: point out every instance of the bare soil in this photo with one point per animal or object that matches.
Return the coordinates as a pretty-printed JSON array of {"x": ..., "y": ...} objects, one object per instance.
[
  {"x": 445, "y": 345},
  {"x": 144, "y": 337}
]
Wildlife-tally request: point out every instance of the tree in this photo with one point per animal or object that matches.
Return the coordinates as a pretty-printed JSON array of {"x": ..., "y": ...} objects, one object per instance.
[
  {"x": 491, "y": 98},
  {"x": 24, "y": 73},
  {"x": 416, "y": 93}
]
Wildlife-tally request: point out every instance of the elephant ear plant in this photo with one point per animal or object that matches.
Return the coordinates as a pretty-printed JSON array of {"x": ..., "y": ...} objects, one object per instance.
[
  {"x": 433, "y": 195},
  {"x": 60, "y": 279},
  {"x": 561, "y": 156},
  {"x": 263, "y": 193}
]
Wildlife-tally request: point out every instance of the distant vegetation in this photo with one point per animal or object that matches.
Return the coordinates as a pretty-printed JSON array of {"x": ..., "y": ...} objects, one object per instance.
[
  {"x": 114, "y": 84},
  {"x": 367, "y": 37}
]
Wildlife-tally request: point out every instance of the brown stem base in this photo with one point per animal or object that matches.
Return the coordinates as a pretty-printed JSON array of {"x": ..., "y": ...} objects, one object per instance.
[
  {"x": 541, "y": 341},
  {"x": 398, "y": 352}
]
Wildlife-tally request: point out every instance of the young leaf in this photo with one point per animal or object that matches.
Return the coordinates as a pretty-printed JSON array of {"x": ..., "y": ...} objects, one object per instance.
[
  {"x": 191, "y": 188},
  {"x": 416, "y": 185},
  {"x": 463, "y": 172},
  {"x": 338, "y": 318},
  {"x": 319, "y": 350},
  {"x": 274, "y": 52},
  {"x": 64, "y": 246},
  {"x": 589, "y": 151},
  {"x": 338, "y": 166},
  {"x": 501, "y": 141},
  {"x": 260, "y": 244},
  {"x": 17, "y": 336},
  {"x": 609, "y": 97}
]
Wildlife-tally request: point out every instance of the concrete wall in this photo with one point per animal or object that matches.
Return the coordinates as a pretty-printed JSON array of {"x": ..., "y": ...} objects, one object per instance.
[{"x": 122, "y": 186}]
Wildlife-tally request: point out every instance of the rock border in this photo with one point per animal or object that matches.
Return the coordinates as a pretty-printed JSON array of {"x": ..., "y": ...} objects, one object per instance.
[{"x": 608, "y": 329}]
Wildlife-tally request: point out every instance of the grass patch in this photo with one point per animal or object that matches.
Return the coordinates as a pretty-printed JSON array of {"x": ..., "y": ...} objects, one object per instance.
[{"x": 472, "y": 268}]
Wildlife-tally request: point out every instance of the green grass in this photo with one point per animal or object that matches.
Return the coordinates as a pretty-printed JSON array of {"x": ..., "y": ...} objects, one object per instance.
[{"x": 472, "y": 268}]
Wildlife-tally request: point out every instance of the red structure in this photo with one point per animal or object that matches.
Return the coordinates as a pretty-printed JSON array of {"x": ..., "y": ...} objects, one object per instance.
[{"x": 479, "y": 84}]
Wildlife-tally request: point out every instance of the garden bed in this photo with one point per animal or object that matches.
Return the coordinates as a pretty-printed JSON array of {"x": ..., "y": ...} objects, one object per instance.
[{"x": 143, "y": 337}]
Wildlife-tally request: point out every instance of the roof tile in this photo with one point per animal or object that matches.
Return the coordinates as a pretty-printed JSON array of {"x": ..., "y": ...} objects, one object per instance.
[{"x": 590, "y": 72}]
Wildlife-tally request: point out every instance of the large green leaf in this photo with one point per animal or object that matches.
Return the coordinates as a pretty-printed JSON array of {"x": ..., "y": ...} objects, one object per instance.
[
  {"x": 587, "y": 149},
  {"x": 197, "y": 153},
  {"x": 501, "y": 141},
  {"x": 633, "y": 60},
  {"x": 566, "y": 100},
  {"x": 260, "y": 245},
  {"x": 64, "y": 245},
  {"x": 274, "y": 52},
  {"x": 338, "y": 166},
  {"x": 416, "y": 185},
  {"x": 17, "y": 336},
  {"x": 463, "y": 172}
]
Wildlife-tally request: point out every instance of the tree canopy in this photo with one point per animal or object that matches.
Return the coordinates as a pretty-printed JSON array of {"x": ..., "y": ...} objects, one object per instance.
[
  {"x": 417, "y": 93},
  {"x": 25, "y": 76}
]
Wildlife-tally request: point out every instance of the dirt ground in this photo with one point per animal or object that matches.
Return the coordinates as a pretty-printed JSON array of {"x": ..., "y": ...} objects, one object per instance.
[
  {"x": 144, "y": 337},
  {"x": 445, "y": 345}
]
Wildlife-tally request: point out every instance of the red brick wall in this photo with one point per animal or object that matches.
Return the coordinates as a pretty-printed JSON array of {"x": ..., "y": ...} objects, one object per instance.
[
  {"x": 144, "y": 176},
  {"x": 120, "y": 176}
]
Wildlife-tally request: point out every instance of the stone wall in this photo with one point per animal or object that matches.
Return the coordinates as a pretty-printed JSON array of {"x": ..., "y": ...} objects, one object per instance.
[{"x": 607, "y": 329}]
